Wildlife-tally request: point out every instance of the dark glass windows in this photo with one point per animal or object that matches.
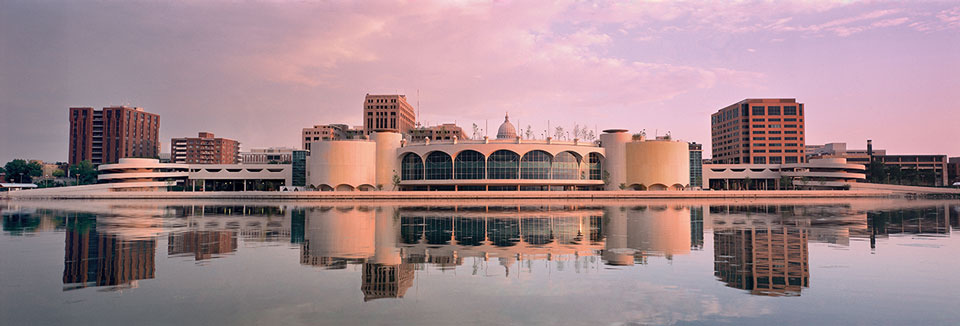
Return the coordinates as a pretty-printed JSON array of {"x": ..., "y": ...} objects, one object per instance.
[
  {"x": 503, "y": 164},
  {"x": 566, "y": 166},
  {"x": 773, "y": 110},
  {"x": 439, "y": 166},
  {"x": 790, "y": 110},
  {"x": 758, "y": 110},
  {"x": 470, "y": 165},
  {"x": 596, "y": 168},
  {"x": 411, "y": 167},
  {"x": 535, "y": 165}
]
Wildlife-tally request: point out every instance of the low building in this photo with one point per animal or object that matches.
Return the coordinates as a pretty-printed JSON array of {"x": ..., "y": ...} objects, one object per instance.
[
  {"x": 953, "y": 170},
  {"x": 825, "y": 173},
  {"x": 204, "y": 149},
  {"x": 330, "y": 132},
  {"x": 931, "y": 169},
  {"x": 446, "y": 131},
  {"x": 136, "y": 174},
  {"x": 16, "y": 186},
  {"x": 272, "y": 155}
]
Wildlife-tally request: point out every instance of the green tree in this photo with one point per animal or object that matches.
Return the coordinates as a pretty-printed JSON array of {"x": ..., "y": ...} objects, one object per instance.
[
  {"x": 19, "y": 170},
  {"x": 785, "y": 182},
  {"x": 84, "y": 172},
  {"x": 396, "y": 180},
  {"x": 746, "y": 183},
  {"x": 59, "y": 173}
]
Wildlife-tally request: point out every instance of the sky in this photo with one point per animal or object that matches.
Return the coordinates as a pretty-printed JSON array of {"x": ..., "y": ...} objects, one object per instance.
[{"x": 259, "y": 72}]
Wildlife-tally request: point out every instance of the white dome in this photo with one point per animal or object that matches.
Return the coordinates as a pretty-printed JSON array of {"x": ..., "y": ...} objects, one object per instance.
[{"x": 507, "y": 131}]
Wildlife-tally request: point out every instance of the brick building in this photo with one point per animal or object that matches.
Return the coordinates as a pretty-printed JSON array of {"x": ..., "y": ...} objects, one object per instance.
[
  {"x": 107, "y": 135},
  {"x": 204, "y": 149},
  {"x": 759, "y": 131}
]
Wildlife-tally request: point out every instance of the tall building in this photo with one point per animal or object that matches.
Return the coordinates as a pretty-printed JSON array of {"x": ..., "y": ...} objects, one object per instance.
[
  {"x": 204, "y": 149},
  {"x": 759, "y": 131},
  {"x": 107, "y": 135},
  {"x": 444, "y": 131},
  {"x": 388, "y": 112},
  {"x": 329, "y": 132},
  {"x": 696, "y": 165}
]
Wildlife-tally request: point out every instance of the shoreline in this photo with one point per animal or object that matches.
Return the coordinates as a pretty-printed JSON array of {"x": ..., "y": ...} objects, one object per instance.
[{"x": 462, "y": 195}]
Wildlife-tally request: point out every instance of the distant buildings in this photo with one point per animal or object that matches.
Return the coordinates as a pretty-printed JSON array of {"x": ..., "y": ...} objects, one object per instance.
[
  {"x": 329, "y": 132},
  {"x": 105, "y": 136},
  {"x": 204, "y": 149},
  {"x": 388, "y": 112},
  {"x": 272, "y": 155},
  {"x": 759, "y": 131},
  {"x": 931, "y": 170},
  {"x": 953, "y": 170},
  {"x": 818, "y": 173},
  {"x": 446, "y": 131}
]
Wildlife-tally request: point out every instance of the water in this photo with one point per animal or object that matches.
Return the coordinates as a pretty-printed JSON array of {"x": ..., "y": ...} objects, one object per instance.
[{"x": 789, "y": 262}]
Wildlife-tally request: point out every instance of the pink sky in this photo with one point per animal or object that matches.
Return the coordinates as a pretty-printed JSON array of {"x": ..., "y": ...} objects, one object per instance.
[{"x": 259, "y": 72}]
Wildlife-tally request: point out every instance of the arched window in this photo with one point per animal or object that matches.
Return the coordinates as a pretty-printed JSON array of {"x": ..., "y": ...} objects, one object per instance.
[
  {"x": 596, "y": 169},
  {"x": 566, "y": 166},
  {"x": 503, "y": 164},
  {"x": 470, "y": 165},
  {"x": 535, "y": 165},
  {"x": 439, "y": 166},
  {"x": 411, "y": 167}
]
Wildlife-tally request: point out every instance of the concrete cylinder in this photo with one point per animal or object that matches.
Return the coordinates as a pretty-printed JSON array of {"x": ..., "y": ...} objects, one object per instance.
[
  {"x": 387, "y": 163},
  {"x": 658, "y": 165},
  {"x": 614, "y": 143},
  {"x": 342, "y": 165}
]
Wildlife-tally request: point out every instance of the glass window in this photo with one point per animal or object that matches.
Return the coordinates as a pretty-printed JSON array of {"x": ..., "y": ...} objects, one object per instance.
[
  {"x": 439, "y": 166},
  {"x": 411, "y": 167},
  {"x": 596, "y": 169},
  {"x": 773, "y": 110},
  {"x": 535, "y": 165},
  {"x": 758, "y": 110},
  {"x": 759, "y": 160},
  {"x": 776, "y": 160},
  {"x": 566, "y": 166},
  {"x": 775, "y": 126},
  {"x": 470, "y": 165},
  {"x": 790, "y": 110},
  {"x": 503, "y": 164},
  {"x": 791, "y": 159}
]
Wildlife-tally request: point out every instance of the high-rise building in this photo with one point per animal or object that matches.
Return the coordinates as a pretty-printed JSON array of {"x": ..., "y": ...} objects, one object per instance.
[
  {"x": 388, "y": 112},
  {"x": 759, "y": 131},
  {"x": 696, "y": 164},
  {"x": 329, "y": 132},
  {"x": 204, "y": 149},
  {"x": 107, "y": 135},
  {"x": 444, "y": 131}
]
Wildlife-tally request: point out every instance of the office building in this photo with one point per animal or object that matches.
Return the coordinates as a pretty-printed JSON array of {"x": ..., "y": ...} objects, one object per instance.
[
  {"x": 388, "y": 112},
  {"x": 272, "y": 155},
  {"x": 696, "y": 165},
  {"x": 931, "y": 170},
  {"x": 759, "y": 131},
  {"x": 953, "y": 170},
  {"x": 107, "y": 135},
  {"x": 446, "y": 131},
  {"x": 204, "y": 149},
  {"x": 329, "y": 132}
]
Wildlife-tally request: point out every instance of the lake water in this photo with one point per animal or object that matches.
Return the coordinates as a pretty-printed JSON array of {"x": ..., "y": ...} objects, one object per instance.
[{"x": 707, "y": 262}]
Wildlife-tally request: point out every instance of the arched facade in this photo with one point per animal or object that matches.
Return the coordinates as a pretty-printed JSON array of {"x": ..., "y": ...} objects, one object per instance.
[{"x": 501, "y": 165}]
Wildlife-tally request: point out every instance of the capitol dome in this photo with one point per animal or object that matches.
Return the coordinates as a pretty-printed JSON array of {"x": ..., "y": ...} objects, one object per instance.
[{"x": 507, "y": 131}]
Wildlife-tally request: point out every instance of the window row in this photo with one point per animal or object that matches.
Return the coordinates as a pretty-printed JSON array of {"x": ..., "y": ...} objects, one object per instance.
[{"x": 502, "y": 164}]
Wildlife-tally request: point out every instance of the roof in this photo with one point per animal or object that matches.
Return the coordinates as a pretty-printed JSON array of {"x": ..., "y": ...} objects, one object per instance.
[{"x": 17, "y": 185}]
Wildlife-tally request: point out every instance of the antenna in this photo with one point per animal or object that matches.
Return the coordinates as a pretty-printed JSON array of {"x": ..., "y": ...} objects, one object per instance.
[{"x": 418, "y": 106}]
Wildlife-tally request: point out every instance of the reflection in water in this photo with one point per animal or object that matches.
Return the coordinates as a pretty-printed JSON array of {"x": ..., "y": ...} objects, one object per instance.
[{"x": 760, "y": 248}]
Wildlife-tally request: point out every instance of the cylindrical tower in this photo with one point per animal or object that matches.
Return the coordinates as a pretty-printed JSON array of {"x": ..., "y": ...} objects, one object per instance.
[
  {"x": 342, "y": 165},
  {"x": 614, "y": 143},
  {"x": 387, "y": 162},
  {"x": 657, "y": 165}
]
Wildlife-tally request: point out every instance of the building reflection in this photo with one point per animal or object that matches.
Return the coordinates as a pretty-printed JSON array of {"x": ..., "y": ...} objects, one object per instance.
[
  {"x": 201, "y": 245},
  {"x": 95, "y": 258},
  {"x": 768, "y": 260}
]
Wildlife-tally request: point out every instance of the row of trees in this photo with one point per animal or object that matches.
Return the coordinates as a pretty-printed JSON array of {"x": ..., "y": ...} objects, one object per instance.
[
  {"x": 559, "y": 133},
  {"x": 21, "y": 171}
]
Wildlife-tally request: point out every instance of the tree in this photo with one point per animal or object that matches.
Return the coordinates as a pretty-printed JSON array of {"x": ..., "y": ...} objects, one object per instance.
[
  {"x": 606, "y": 178},
  {"x": 746, "y": 182},
  {"x": 785, "y": 182},
  {"x": 19, "y": 170},
  {"x": 84, "y": 172},
  {"x": 576, "y": 131},
  {"x": 591, "y": 136},
  {"x": 528, "y": 133},
  {"x": 396, "y": 180},
  {"x": 558, "y": 133},
  {"x": 59, "y": 173},
  {"x": 476, "y": 130}
]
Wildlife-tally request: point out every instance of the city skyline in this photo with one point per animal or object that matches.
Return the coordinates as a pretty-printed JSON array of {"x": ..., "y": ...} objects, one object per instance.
[{"x": 865, "y": 70}]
